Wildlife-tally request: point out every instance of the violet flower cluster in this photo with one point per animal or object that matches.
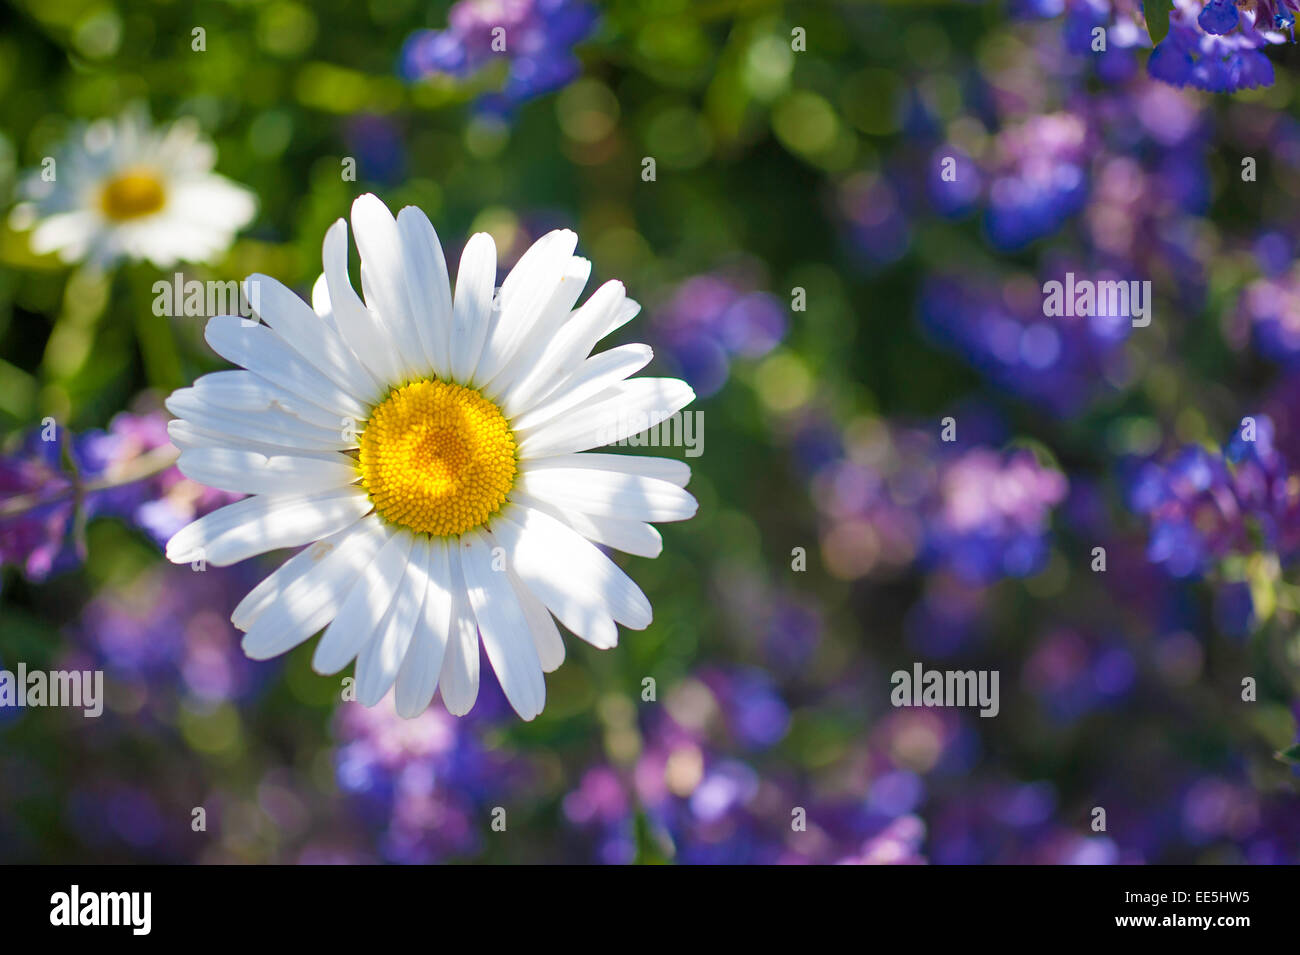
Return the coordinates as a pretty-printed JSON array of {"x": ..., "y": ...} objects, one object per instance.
[
  {"x": 425, "y": 785},
  {"x": 892, "y": 497},
  {"x": 1217, "y": 47},
  {"x": 1203, "y": 505},
  {"x": 1059, "y": 363},
  {"x": 712, "y": 319},
  {"x": 534, "y": 38},
  {"x": 54, "y": 482}
]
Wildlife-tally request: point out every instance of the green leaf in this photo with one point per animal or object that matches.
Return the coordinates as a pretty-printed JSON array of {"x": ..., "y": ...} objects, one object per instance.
[{"x": 1157, "y": 16}]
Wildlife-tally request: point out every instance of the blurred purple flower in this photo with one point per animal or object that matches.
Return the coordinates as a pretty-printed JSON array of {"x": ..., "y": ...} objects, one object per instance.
[
  {"x": 713, "y": 318},
  {"x": 534, "y": 37},
  {"x": 425, "y": 785},
  {"x": 1201, "y": 506},
  {"x": 1055, "y": 362},
  {"x": 110, "y": 476},
  {"x": 168, "y": 629}
]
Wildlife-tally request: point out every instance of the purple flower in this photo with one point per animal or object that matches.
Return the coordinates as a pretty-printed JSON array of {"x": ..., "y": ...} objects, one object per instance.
[
  {"x": 168, "y": 629},
  {"x": 710, "y": 320},
  {"x": 1055, "y": 362},
  {"x": 123, "y": 472},
  {"x": 38, "y": 539},
  {"x": 535, "y": 39},
  {"x": 1217, "y": 47},
  {"x": 894, "y": 496},
  {"x": 899, "y": 843},
  {"x": 1269, "y": 311},
  {"x": 1039, "y": 179},
  {"x": 878, "y": 225},
  {"x": 989, "y": 519},
  {"x": 1073, "y": 674},
  {"x": 1203, "y": 505},
  {"x": 425, "y": 786}
]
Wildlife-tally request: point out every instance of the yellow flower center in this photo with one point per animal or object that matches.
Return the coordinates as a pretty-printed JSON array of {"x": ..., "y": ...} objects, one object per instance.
[
  {"x": 132, "y": 195},
  {"x": 437, "y": 458}
]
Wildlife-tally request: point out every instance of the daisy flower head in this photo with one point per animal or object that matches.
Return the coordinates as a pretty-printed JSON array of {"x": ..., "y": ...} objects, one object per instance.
[
  {"x": 434, "y": 451},
  {"x": 123, "y": 189}
]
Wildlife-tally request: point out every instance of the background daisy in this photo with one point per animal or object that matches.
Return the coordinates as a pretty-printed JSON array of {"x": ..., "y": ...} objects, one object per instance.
[{"x": 122, "y": 189}]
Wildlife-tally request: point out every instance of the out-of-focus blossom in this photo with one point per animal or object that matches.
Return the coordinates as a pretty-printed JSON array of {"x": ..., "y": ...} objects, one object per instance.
[
  {"x": 698, "y": 785},
  {"x": 1039, "y": 179},
  {"x": 535, "y": 39},
  {"x": 712, "y": 319},
  {"x": 121, "y": 189},
  {"x": 991, "y": 514},
  {"x": 1058, "y": 363},
  {"x": 1268, "y": 312},
  {"x": 898, "y": 844},
  {"x": 425, "y": 785},
  {"x": 1073, "y": 674},
  {"x": 1204, "y": 505},
  {"x": 895, "y": 496},
  {"x": 376, "y": 142},
  {"x": 1124, "y": 32},
  {"x": 168, "y": 630},
  {"x": 38, "y": 539},
  {"x": 123, "y": 472},
  {"x": 876, "y": 219}
]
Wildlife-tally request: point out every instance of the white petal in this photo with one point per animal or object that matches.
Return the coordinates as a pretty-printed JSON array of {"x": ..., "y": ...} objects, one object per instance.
[
  {"x": 269, "y": 426},
  {"x": 525, "y": 293},
  {"x": 367, "y": 338},
  {"x": 266, "y": 522},
  {"x": 580, "y": 585},
  {"x": 546, "y": 635},
  {"x": 556, "y": 313},
  {"x": 626, "y": 312},
  {"x": 311, "y": 600},
  {"x": 428, "y": 287},
  {"x": 383, "y": 271},
  {"x": 191, "y": 437},
  {"x": 294, "y": 320},
  {"x": 631, "y": 537},
  {"x": 251, "y": 473},
  {"x": 379, "y": 662},
  {"x": 626, "y": 409},
  {"x": 265, "y": 353},
  {"x": 659, "y": 468},
  {"x": 245, "y": 391},
  {"x": 570, "y": 346},
  {"x": 475, "y": 284},
  {"x": 361, "y": 613},
  {"x": 608, "y": 494},
  {"x": 320, "y": 302},
  {"x": 458, "y": 680},
  {"x": 507, "y": 636},
  {"x": 594, "y": 376},
  {"x": 418, "y": 678},
  {"x": 270, "y": 590}
]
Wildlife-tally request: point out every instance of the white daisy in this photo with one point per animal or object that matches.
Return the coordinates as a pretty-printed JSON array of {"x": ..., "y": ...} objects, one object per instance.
[
  {"x": 122, "y": 189},
  {"x": 431, "y": 450}
]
